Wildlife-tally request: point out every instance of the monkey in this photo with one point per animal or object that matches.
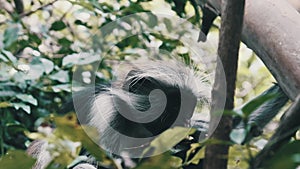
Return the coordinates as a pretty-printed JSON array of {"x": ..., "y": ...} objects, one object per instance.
[
  {"x": 260, "y": 117},
  {"x": 141, "y": 91},
  {"x": 144, "y": 102},
  {"x": 130, "y": 112}
]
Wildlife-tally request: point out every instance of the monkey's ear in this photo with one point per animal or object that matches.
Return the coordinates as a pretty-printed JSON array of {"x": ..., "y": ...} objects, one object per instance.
[
  {"x": 133, "y": 73},
  {"x": 136, "y": 82}
]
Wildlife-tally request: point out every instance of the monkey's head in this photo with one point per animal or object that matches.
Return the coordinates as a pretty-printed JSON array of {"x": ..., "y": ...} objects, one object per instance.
[
  {"x": 157, "y": 98},
  {"x": 150, "y": 99}
]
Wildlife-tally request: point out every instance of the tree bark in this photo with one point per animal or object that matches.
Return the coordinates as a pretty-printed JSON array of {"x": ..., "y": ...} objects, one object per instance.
[
  {"x": 216, "y": 155},
  {"x": 295, "y": 4},
  {"x": 272, "y": 30}
]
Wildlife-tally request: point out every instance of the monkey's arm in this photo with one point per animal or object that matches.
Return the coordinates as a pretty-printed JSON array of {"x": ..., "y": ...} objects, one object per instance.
[
  {"x": 37, "y": 149},
  {"x": 260, "y": 117}
]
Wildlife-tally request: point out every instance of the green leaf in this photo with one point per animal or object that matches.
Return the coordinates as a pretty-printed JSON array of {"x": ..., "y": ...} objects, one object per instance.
[
  {"x": 79, "y": 22},
  {"x": 79, "y": 59},
  {"x": 34, "y": 38},
  {"x": 67, "y": 126},
  {"x": 217, "y": 142},
  {"x": 7, "y": 93},
  {"x": 27, "y": 98},
  {"x": 238, "y": 135},
  {"x": 255, "y": 103},
  {"x": 10, "y": 35},
  {"x": 152, "y": 20},
  {"x": 84, "y": 4},
  {"x": 15, "y": 128},
  {"x": 6, "y": 84},
  {"x": 58, "y": 25},
  {"x": 105, "y": 7},
  {"x": 168, "y": 44},
  {"x": 64, "y": 42},
  {"x": 9, "y": 56},
  {"x": 61, "y": 87},
  {"x": 61, "y": 76},
  {"x": 133, "y": 41},
  {"x": 37, "y": 68},
  {"x": 3, "y": 58},
  {"x": 198, "y": 156},
  {"x": 5, "y": 104},
  {"x": 162, "y": 161},
  {"x": 230, "y": 113},
  {"x": 287, "y": 157},
  {"x": 36, "y": 71},
  {"x": 48, "y": 65},
  {"x": 23, "y": 106},
  {"x": 170, "y": 138},
  {"x": 133, "y": 8},
  {"x": 16, "y": 159},
  {"x": 168, "y": 24}
]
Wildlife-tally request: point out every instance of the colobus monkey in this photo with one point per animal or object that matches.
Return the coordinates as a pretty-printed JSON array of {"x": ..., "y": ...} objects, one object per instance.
[{"x": 147, "y": 100}]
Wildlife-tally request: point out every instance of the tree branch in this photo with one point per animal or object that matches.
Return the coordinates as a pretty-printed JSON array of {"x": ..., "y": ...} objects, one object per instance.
[
  {"x": 39, "y": 8},
  {"x": 295, "y": 4},
  {"x": 230, "y": 34},
  {"x": 28, "y": 13},
  {"x": 272, "y": 30}
]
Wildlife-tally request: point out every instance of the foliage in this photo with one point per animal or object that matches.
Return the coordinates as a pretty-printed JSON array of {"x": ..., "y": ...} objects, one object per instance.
[
  {"x": 42, "y": 48},
  {"x": 287, "y": 157},
  {"x": 24, "y": 161}
]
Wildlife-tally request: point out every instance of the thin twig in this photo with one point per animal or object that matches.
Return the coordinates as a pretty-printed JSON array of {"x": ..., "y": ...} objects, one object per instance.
[{"x": 28, "y": 13}]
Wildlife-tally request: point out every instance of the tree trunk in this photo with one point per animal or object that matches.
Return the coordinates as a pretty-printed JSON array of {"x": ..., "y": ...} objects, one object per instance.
[
  {"x": 295, "y": 4},
  {"x": 272, "y": 30},
  {"x": 216, "y": 155}
]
